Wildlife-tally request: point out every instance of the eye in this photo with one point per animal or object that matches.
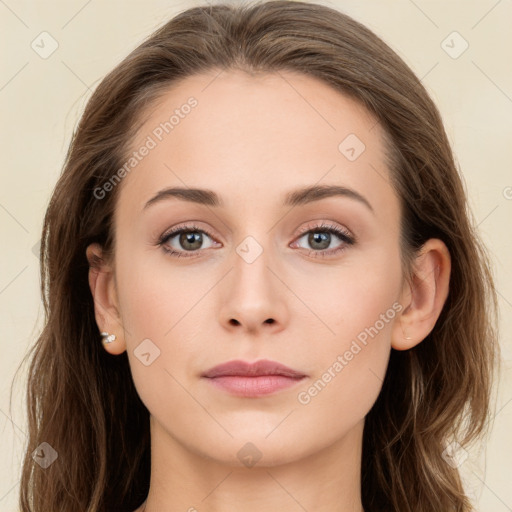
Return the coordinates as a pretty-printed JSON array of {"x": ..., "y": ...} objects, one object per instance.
[
  {"x": 188, "y": 240},
  {"x": 322, "y": 242},
  {"x": 185, "y": 239}
]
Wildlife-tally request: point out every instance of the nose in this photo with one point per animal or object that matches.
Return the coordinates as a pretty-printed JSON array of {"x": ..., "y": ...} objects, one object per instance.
[{"x": 253, "y": 297}]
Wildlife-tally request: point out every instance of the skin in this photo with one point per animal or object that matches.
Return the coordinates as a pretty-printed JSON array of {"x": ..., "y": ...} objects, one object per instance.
[{"x": 252, "y": 139}]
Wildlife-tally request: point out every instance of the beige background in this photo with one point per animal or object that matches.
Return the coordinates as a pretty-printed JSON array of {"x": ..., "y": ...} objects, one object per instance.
[{"x": 41, "y": 100}]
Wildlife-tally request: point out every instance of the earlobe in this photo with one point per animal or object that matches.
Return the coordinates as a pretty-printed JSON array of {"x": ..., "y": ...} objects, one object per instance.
[
  {"x": 424, "y": 297},
  {"x": 106, "y": 312}
]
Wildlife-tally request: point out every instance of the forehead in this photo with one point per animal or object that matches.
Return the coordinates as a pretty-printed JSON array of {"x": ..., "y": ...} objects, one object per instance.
[{"x": 248, "y": 132}]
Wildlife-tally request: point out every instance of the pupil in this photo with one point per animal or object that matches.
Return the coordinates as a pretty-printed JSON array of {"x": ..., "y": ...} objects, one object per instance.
[
  {"x": 322, "y": 238},
  {"x": 190, "y": 238}
]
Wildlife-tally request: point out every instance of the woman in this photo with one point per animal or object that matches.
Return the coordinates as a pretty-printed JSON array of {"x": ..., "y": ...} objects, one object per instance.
[{"x": 262, "y": 287}]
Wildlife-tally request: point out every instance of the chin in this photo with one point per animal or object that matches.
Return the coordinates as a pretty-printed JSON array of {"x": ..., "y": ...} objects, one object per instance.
[{"x": 254, "y": 449}]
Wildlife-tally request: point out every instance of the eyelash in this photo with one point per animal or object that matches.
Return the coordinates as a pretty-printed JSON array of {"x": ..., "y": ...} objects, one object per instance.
[{"x": 343, "y": 235}]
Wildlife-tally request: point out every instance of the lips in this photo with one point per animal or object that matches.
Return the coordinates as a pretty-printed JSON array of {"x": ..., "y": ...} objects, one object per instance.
[
  {"x": 252, "y": 380},
  {"x": 256, "y": 369}
]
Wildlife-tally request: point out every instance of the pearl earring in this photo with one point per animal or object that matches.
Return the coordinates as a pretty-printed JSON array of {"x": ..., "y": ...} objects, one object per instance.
[{"x": 108, "y": 338}]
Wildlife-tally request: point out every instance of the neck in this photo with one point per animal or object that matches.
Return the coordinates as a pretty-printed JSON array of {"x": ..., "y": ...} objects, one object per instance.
[{"x": 324, "y": 481}]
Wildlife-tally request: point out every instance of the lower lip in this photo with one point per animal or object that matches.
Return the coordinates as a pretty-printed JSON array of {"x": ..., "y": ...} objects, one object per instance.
[{"x": 254, "y": 387}]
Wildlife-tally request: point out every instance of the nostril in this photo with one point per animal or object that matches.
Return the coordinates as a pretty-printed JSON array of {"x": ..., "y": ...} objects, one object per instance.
[
  {"x": 234, "y": 322},
  {"x": 269, "y": 321}
]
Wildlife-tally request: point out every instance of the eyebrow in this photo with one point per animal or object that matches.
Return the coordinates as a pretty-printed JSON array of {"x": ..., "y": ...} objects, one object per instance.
[{"x": 297, "y": 197}]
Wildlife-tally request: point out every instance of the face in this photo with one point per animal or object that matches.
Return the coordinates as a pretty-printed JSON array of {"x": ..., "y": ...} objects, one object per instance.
[{"x": 266, "y": 271}]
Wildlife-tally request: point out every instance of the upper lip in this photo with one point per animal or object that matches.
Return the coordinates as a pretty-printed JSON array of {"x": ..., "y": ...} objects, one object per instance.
[{"x": 258, "y": 368}]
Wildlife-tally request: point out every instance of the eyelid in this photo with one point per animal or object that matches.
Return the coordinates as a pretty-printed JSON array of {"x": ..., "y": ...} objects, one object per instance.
[
  {"x": 327, "y": 226},
  {"x": 185, "y": 226}
]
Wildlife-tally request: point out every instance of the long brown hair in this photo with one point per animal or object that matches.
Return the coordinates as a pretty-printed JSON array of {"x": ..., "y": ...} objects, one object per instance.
[{"x": 82, "y": 401}]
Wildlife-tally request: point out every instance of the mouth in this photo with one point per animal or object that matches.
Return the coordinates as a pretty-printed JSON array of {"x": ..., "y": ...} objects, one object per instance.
[{"x": 256, "y": 379}]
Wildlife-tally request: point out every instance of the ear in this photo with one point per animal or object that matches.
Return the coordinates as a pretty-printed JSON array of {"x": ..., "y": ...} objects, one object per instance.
[
  {"x": 106, "y": 311},
  {"x": 423, "y": 298}
]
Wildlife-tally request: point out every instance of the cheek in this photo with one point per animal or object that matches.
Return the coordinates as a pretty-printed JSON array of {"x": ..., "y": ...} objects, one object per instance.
[
  {"x": 166, "y": 306},
  {"x": 342, "y": 394},
  {"x": 154, "y": 293},
  {"x": 348, "y": 300},
  {"x": 350, "y": 365},
  {"x": 358, "y": 307}
]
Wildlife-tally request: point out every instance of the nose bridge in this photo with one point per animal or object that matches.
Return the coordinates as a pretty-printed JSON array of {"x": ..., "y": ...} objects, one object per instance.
[
  {"x": 251, "y": 274},
  {"x": 253, "y": 297}
]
